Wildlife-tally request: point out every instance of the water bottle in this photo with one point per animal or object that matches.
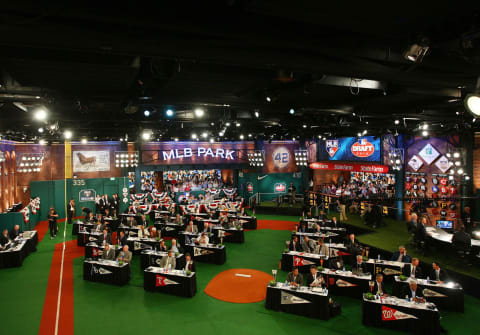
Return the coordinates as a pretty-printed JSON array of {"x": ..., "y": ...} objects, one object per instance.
[
  {"x": 406, "y": 298},
  {"x": 428, "y": 278},
  {"x": 343, "y": 269},
  {"x": 378, "y": 256}
]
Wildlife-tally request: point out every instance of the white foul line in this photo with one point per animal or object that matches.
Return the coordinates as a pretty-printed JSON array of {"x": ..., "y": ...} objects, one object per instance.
[{"x": 61, "y": 277}]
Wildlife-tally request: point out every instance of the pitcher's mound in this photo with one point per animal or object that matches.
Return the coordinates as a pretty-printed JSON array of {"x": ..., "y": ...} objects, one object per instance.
[{"x": 239, "y": 285}]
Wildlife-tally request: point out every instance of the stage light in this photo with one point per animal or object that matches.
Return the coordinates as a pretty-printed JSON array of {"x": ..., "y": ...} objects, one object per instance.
[
  {"x": 169, "y": 112},
  {"x": 40, "y": 130},
  {"x": 220, "y": 134},
  {"x": 456, "y": 155},
  {"x": 292, "y": 111},
  {"x": 194, "y": 136},
  {"x": 416, "y": 51},
  {"x": 204, "y": 135},
  {"x": 176, "y": 139},
  {"x": 364, "y": 132},
  {"x": 472, "y": 104},
  {"x": 146, "y": 112},
  {"x": 40, "y": 114},
  {"x": 146, "y": 135},
  {"x": 199, "y": 112},
  {"x": 268, "y": 99},
  {"x": 425, "y": 126},
  {"x": 249, "y": 135},
  {"x": 424, "y": 133},
  {"x": 257, "y": 114},
  {"x": 84, "y": 141},
  {"x": 67, "y": 134},
  {"x": 304, "y": 126},
  {"x": 227, "y": 124},
  {"x": 458, "y": 163},
  {"x": 460, "y": 171},
  {"x": 42, "y": 142},
  {"x": 242, "y": 137},
  {"x": 53, "y": 126},
  {"x": 397, "y": 121},
  {"x": 467, "y": 177},
  {"x": 212, "y": 140},
  {"x": 359, "y": 134},
  {"x": 449, "y": 155},
  {"x": 238, "y": 124}
]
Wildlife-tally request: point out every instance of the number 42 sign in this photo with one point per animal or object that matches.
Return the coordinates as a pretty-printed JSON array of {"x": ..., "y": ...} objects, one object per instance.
[{"x": 281, "y": 157}]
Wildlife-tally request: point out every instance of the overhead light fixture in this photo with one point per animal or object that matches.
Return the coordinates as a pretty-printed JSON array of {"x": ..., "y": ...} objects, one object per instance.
[
  {"x": 29, "y": 162},
  {"x": 204, "y": 134},
  {"x": 40, "y": 130},
  {"x": 292, "y": 111},
  {"x": 42, "y": 142},
  {"x": 241, "y": 137},
  {"x": 221, "y": 133},
  {"x": 146, "y": 112},
  {"x": 67, "y": 134},
  {"x": 146, "y": 135},
  {"x": 424, "y": 133},
  {"x": 238, "y": 124},
  {"x": 364, "y": 132},
  {"x": 301, "y": 157},
  {"x": 397, "y": 121},
  {"x": 40, "y": 114},
  {"x": 416, "y": 51},
  {"x": 212, "y": 140},
  {"x": 472, "y": 104},
  {"x": 268, "y": 98},
  {"x": 304, "y": 126},
  {"x": 194, "y": 136},
  {"x": 176, "y": 139},
  {"x": 199, "y": 112},
  {"x": 126, "y": 159},
  {"x": 257, "y": 114},
  {"x": 425, "y": 126},
  {"x": 256, "y": 158},
  {"x": 84, "y": 141},
  {"x": 227, "y": 124},
  {"x": 169, "y": 112}
]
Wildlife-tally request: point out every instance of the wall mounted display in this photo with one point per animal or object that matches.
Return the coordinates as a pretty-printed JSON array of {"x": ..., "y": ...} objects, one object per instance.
[
  {"x": 91, "y": 161},
  {"x": 365, "y": 148}
]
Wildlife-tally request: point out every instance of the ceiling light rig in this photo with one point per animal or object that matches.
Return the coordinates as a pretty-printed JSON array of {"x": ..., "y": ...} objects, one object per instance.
[
  {"x": 396, "y": 158},
  {"x": 31, "y": 162},
  {"x": 301, "y": 157},
  {"x": 125, "y": 159},
  {"x": 256, "y": 158}
]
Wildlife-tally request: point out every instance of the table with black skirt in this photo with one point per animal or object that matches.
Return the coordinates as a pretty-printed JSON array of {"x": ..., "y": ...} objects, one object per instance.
[
  {"x": 112, "y": 223},
  {"x": 302, "y": 260},
  {"x": 124, "y": 217},
  {"x": 398, "y": 314},
  {"x": 248, "y": 222},
  {"x": 447, "y": 296},
  {"x": 389, "y": 269},
  {"x": 199, "y": 222},
  {"x": 128, "y": 230},
  {"x": 95, "y": 250},
  {"x": 169, "y": 229},
  {"x": 85, "y": 237},
  {"x": 326, "y": 236},
  {"x": 345, "y": 283},
  {"x": 153, "y": 258},
  {"x": 210, "y": 253},
  {"x": 106, "y": 271},
  {"x": 19, "y": 249},
  {"x": 313, "y": 303},
  {"x": 176, "y": 282},
  {"x": 137, "y": 244},
  {"x": 81, "y": 225},
  {"x": 232, "y": 235}
]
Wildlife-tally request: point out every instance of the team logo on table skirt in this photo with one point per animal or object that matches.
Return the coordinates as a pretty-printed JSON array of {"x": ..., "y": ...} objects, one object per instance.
[
  {"x": 362, "y": 148},
  {"x": 100, "y": 270},
  {"x": 390, "y": 272},
  {"x": 332, "y": 147},
  {"x": 201, "y": 252},
  {"x": 390, "y": 314},
  {"x": 141, "y": 246},
  {"x": 163, "y": 281},
  {"x": 299, "y": 261},
  {"x": 335, "y": 252},
  {"x": 432, "y": 294},
  {"x": 290, "y": 299},
  {"x": 96, "y": 252},
  {"x": 344, "y": 283},
  {"x": 91, "y": 238}
]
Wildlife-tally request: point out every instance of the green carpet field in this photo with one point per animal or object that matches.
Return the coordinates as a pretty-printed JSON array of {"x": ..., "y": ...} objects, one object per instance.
[{"x": 101, "y": 308}]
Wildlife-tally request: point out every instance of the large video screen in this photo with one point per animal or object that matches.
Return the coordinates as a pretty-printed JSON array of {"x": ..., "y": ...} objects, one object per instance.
[{"x": 360, "y": 149}]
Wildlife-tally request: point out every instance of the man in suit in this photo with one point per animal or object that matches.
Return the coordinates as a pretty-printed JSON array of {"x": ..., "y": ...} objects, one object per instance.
[
  {"x": 175, "y": 247},
  {"x": 122, "y": 239},
  {"x": 303, "y": 228},
  {"x": 162, "y": 246},
  {"x": 15, "y": 232},
  {"x": 106, "y": 237},
  {"x": 308, "y": 245},
  {"x": 379, "y": 286},
  {"x": 99, "y": 226},
  {"x": 70, "y": 211},
  {"x": 98, "y": 204},
  {"x": 191, "y": 228},
  {"x": 336, "y": 263},
  {"x": 437, "y": 273},
  {"x": 108, "y": 253},
  {"x": 189, "y": 263},
  {"x": 413, "y": 291},
  {"x": 322, "y": 216},
  {"x": 4, "y": 239},
  {"x": 321, "y": 248},
  {"x": 168, "y": 261},
  {"x": 359, "y": 266},
  {"x": 295, "y": 245},
  {"x": 178, "y": 219},
  {"x": 412, "y": 270},
  {"x": 115, "y": 204},
  {"x": 87, "y": 211},
  {"x": 294, "y": 278},
  {"x": 352, "y": 245},
  {"x": 125, "y": 255},
  {"x": 461, "y": 239},
  {"x": 107, "y": 213},
  {"x": 314, "y": 278},
  {"x": 401, "y": 255}
]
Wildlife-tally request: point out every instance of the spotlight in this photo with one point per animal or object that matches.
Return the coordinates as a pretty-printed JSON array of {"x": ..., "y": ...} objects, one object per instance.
[
  {"x": 416, "y": 52},
  {"x": 199, "y": 112},
  {"x": 460, "y": 171},
  {"x": 40, "y": 130},
  {"x": 425, "y": 126},
  {"x": 212, "y": 140},
  {"x": 359, "y": 134},
  {"x": 194, "y": 136},
  {"x": 176, "y": 139},
  {"x": 304, "y": 126},
  {"x": 397, "y": 121},
  {"x": 242, "y": 137},
  {"x": 220, "y": 134},
  {"x": 472, "y": 104},
  {"x": 169, "y": 112},
  {"x": 456, "y": 155},
  {"x": 227, "y": 124},
  {"x": 204, "y": 135},
  {"x": 146, "y": 112},
  {"x": 424, "y": 133},
  {"x": 146, "y": 135},
  {"x": 364, "y": 132},
  {"x": 84, "y": 141},
  {"x": 292, "y": 111},
  {"x": 249, "y": 135},
  {"x": 67, "y": 134},
  {"x": 268, "y": 99},
  {"x": 53, "y": 126},
  {"x": 238, "y": 124},
  {"x": 42, "y": 142},
  {"x": 40, "y": 114},
  {"x": 257, "y": 114},
  {"x": 467, "y": 177}
]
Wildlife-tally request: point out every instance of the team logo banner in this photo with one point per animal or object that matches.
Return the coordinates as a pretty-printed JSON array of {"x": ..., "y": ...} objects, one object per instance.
[
  {"x": 91, "y": 161},
  {"x": 344, "y": 283},
  {"x": 280, "y": 188},
  {"x": 390, "y": 314},
  {"x": 299, "y": 261},
  {"x": 433, "y": 294},
  {"x": 100, "y": 271},
  {"x": 141, "y": 246},
  {"x": 164, "y": 281},
  {"x": 86, "y": 195},
  {"x": 332, "y": 147},
  {"x": 201, "y": 252},
  {"x": 290, "y": 299},
  {"x": 391, "y": 272}
]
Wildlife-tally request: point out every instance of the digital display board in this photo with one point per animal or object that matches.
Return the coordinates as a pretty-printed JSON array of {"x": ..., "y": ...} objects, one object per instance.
[{"x": 360, "y": 149}]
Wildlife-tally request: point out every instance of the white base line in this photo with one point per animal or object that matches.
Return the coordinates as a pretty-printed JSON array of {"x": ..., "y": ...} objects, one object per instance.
[{"x": 61, "y": 278}]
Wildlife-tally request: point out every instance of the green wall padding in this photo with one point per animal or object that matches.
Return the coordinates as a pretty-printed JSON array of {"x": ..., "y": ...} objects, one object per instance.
[{"x": 267, "y": 182}]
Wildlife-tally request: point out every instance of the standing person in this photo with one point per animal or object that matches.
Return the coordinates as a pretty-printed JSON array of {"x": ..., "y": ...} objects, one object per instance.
[
  {"x": 467, "y": 220},
  {"x": 52, "y": 222},
  {"x": 70, "y": 211},
  {"x": 292, "y": 191},
  {"x": 342, "y": 206}
]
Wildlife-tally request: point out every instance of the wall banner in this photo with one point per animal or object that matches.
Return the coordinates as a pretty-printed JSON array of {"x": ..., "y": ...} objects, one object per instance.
[{"x": 91, "y": 161}]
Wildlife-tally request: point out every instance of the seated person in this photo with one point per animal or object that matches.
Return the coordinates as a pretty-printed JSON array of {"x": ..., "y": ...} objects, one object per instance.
[
  {"x": 336, "y": 263},
  {"x": 90, "y": 217},
  {"x": 108, "y": 253},
  {"x": 353, "y": 207},
  {"x": 15, "y": 232},
  {"x": 168, "y": 261},
  {"x": 155, "y": 233},
  {"x": 106, "y": 237},
  {"x": 175, "y": 247},
  {"x": 294, "y": 278},
  {"x": 189, "y": 263},
  {"x": 178, "y": 219},
  {"x": 142, "y": 232},
  {"x": 352, "y": 245},
  {"x": 207, "y": 228},
  {"x": 125, "y": 255},
  {"x": 321, "y": 248},
  {"x": 322, "y": 216},
  {"x": 413, "y": 291},
  {"x": 203, "y": 239},
  {"x": 379, "y": 287},
  {"x": 191, "y": 228},
  {"x": 401, "y": 255},
  {"x": 461, "y": 240},
  {"x": 413, "y": 269},
  {"x": 314, "y": 278},
  {"x": 438, "y": 274},
  {"x": 303, "y": 228},
  {"x": 308, "y": 216},
  {"x": 107, "y": 213},
  {"x": 295, "y": 245},
  {"x": 99, "y": 226},
  {"x": 335, "y": 223},
  {"x": 359, "y": 266},
  {"x": 4, "y": 239},
  {"x": 122, "y": 239},
  {"x": 162, "y": 246},
  {"x": 308, "y": 245}
]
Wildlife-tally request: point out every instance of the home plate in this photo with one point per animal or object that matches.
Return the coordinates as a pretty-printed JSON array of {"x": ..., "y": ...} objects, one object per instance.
[{"x": 242, "y": 275}]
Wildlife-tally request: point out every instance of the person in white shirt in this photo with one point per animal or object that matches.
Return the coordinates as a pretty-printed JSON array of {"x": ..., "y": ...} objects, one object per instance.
[
  {"x": 168, "y": 261},
  {"x": 203, "y": 239}
]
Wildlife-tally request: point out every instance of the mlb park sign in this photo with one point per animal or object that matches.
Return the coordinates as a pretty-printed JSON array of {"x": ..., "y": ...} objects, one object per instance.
[{"x": 199, "y": 152}]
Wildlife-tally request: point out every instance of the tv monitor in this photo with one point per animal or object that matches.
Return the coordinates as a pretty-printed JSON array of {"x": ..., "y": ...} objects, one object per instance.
[{"x": 445, "y": 224}]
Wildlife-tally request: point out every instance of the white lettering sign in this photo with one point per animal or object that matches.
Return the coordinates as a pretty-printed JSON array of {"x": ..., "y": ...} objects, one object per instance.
[{"x": 200, "y": 152}]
